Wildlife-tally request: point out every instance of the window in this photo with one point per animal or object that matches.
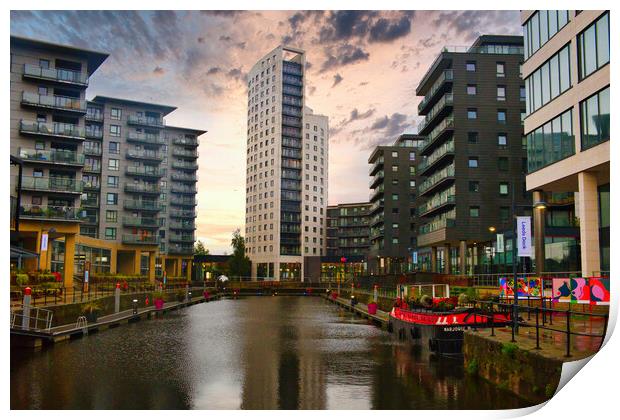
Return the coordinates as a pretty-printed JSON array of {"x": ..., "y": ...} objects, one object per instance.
[
  {"x": 42, "y": 90},
  {"x": 115, "y": 130},
  {"x": 502, "y": 140},
  {"x": 412, "y": 156},
  {"x": 502, "y": 163},
  {"x": 37, "y": 200},
  {"x": 474, "y": 186},
  {"x": 522, "y": 93},
  {"x": 500, "y": 69},
  {"x": 394, "y": 168},
  {"x": 111, "y": 215},
  {"x": 472, "y": 137},
  {"x": 394, "y": 225},
  {"x": 39, "y": 145},
  {"x": 550, "y": 142},
  {"x": 44, "y": 64},
  {"x": 472, "y": 113},
  {"x": 113, "y": 164},
  {"x": 111, "y": 198},
  {"x": 504, "y": 214},
  {"x": 593, "y": 47},
  {"x": 395, "y": 240},
  {"x": 474, "y": 211},
  {"x": 501, "y": 116},
  {"x": 470, "y": 66},
  {"x": 115, "y": 114},
  {"x": 394, "y": 154},
  {"x": 472, "y": 162},
  {"x": 110, "y": 233},
  {"x": 471, "y": 89},
  {"x": 595, "y": 119},
  {"x": 412, "y": 183},
  {"x": 541, "y": 27},
  {"x": 503, "y": 189},
  {"x": 112, "y": 181},
  {"x": 550, "y": 80},
  {"x": 501, "y": 93},
  {"x": 394, "y": 197},
  {"x": 114, "y": 148}
]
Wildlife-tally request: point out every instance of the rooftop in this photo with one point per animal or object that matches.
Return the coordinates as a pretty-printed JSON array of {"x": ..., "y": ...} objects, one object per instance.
[{"x": 166, "y": 109}]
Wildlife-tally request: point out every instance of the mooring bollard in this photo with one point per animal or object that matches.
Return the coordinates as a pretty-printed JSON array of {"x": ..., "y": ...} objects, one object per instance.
[
  {"x": 117, "y": 298},
  {"x": 375, "y": 294},
  {"x": 135, "y": 306},
  {"x": 187, "y": 293},
  {"x": 26, "y": 310}
]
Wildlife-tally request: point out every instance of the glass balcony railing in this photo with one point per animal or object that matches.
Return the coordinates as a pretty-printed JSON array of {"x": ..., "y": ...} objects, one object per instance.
[
  {"x": 145, "y": 155},
  {"x": 183, "y": 225},
  {"x": 446, "y": 76},
  {"x": 51, "y": 129},
  {"x": 145, "y": 138},
  {"x": 93, "y": 151},
  {"x": 31, "y": 211},
  {"x": 437, "y": 201},
  {"x": 181, "y": 238},
  {"x": 376, "y": 179},
  {"x": 183, "y": 214},
  {"x": 179, "y": 249},
  {"x": 376, "y": 166},
  {"x": 63, "y": 157},
  {"x": 54, "y": 101},
  {"x": 439, "y": 223},
  {"x": 145, "y": 121},
  {"x": 94, "y": 114},
  {"x": 93, "y": 133},
  {"x": 177, "y": 151},
  {"x": 139, "y": 239},
  {"x": 90, "y": 167},
  {"x": 183, "y": 189},
  {"x": 439, "y": 153},
  {"x": 56, "y": 74},
  {"x": 446, "y": 101},
  {"x": 445, "y": 124},
  {"x": 182, "y": 202},
  {"x": 181, "y": 141},
  {"x": 53, "y": 184},
  {"x": 144, "y": 171},
  {"x": 90, "y": 202},
  {"x": 435, "y": 179},
  {"x": 190, "y": 166},
  {"x": 143, "y": 205},
  {"x": 143, "y": 189},
  {"x": 377, "y": 192},
  {"x": 150, "y": 222},
  {"x": 177, "y": 176}
]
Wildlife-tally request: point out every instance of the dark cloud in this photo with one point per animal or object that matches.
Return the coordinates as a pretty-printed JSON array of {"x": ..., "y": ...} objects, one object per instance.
[
  {"x": 393, "y": 126},
  {"x": 337, "y": 79},
  {"x": 345, "y": 24},
  {"x": 214, "y": 70},
  {"x": 343, "y": 55},
  {"x": 158, "y": 71},
  {"x": 356, "y": 115},
  {"x": 225, "y": 38},
  {"x": 201, "y": 40},
  {"x": 222, "y": 13},
  {"x": 385, "y": 30},
  {"x": 236, "y": 74}
]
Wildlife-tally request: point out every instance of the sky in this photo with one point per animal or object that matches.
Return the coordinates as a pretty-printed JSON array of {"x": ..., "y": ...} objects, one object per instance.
[{"x": 363, "y": 68}]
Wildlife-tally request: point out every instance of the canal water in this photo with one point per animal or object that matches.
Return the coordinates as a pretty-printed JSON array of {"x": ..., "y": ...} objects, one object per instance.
[{"x": 250, "y": 353}]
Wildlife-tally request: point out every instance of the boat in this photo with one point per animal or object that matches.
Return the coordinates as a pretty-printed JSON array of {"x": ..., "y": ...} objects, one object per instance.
[{"x": 440, "y": 326}]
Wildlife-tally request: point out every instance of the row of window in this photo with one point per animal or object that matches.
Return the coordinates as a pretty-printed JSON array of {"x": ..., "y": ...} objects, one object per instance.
[
  {"x": 472, "y": 90},
  {"x": 593, "y": 47},
  {"x": 549, "y": 80},
  {"x": 472, "y": 114},
  {"x": 541, "y": 27}
]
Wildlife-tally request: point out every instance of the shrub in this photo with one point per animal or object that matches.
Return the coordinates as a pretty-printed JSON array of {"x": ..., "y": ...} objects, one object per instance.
[
  {"x": 91, "y": 307},
  {"x": 21, "y": 279},
  {"x": 426, "y": 301},
  {"x": 463, "y": 299},
  {"x": 509, "y": 349},
  {"x": 472, "y": 367}
]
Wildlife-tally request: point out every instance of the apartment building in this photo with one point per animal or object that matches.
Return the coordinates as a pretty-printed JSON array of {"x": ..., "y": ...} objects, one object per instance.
[
  {"x": 393, "y": 202},
  {"x": 105, "y": 180},
  {"x": 348, "y": 230},
  {"x": 473, "y": 155},
  {"x": 566, "y": 72},
  {"x": 287, "y": 169}
]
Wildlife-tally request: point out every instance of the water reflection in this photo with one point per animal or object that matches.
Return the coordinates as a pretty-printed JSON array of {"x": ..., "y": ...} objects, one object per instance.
[{"x": 252, "y": 353}]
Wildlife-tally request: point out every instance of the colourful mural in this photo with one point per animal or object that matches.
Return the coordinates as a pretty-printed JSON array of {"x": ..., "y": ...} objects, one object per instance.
[
  {"x": 599, "y": 290},
  {"x": 561, "y": 290},
  {"x": 530, "y": 286},
  {"x": 592, "y": 290}
]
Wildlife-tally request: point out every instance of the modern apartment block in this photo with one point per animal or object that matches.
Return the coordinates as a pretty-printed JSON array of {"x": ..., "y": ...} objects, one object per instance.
[
  {"x": 287, "y": 169},
  {"x": 566, "y": 72},
  {"x": 393, "y": 198},
  {"x": 473, "y": 155},
  {"x": 348, "y": 230},
  {"x": 104, "y": 180}
]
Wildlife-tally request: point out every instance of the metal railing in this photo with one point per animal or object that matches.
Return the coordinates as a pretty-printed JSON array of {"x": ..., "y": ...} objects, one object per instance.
[
  {"x": 148, "y": 121},
  {"x": 54, "y": 101},
  {"x": 51, "y": 129},
  {"x": 31, "y": 211},
  {"x": 446, "y": 76},
  {"x": 433, "y": 180},
  {"x": 56, "y": 74},
  {"x": 52, "y": 184},
  {"x": 446, "y": 100},
  {"x": 52, "y": 156},
  {"x": 39, "y": 319}
]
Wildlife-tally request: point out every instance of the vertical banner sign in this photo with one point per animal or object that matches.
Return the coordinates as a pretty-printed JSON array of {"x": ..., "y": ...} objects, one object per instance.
[
  {"x": 86, "y": 275},
  {"x": 500, "y": 242},
  {"x": 44, "y": 237},
  {"x": 524, "y": 236},
  {"x": 415, "y": 257}
]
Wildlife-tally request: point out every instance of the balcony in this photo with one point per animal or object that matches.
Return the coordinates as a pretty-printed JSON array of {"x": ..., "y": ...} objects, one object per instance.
[
  {"x": 435, "y": 158},
  {"x": 376, "y": 193},
  {"x": 134, "y": 239},
  {"x": 183, "y": 177},
  {"x": 436, "y": 203},
  {"x": 183, "y": 189},
  {"x": 142, "y": 205},
  {"x": 145, "y": 172},
  {"x": 144, "y": 121},
  {"x": 446, "y": 77},
  {"x": 175, "y": 201},
  {"x": 93, "y": 114},
  {"x": 53, "y": 157},
  {"x": 177, "y": 151},
  {"x": 91, "y": 203},
  {"x": 186, "y": 166},
  {"x": 55, "y": 213},
  {"x": 145, "y": 138},
  {"x": 53, "y": 184},
  {"x": 181, "y": 141},
  {"x": 94, "y": 133},
  {"x": 439, "y": 110},
  {"x": 183, "y": 225},
  {"x": 291, "y": 111},
  {"x": 376, "y": 206},
  {"x": 90, "y": 219},
  {"x": 92, "y": 151},
  {"x": 94, "y": 169},
  {"x": 61, "y": 103},
  {"x": 148, "y": 155},
  {"x": 92, "y": 185},
  {"x": 376, "y": 233},
  {"x": 292, "y": 90},
  {"x": 181, "y": 238},
  {"x": 376, "y": 180},
  {"x": 432, "y": 140},
  {"x": 436, "y": 180},
  {"x": 178, "y": 249},
  {"x": 63, "y": 76},
  {"x": 53, "y": 129},
  {"x": 143, "y": 222},
  {"x": 143, "y": 189},
  {"x": 376, "y": 166},
  {"x": 292, "y": 68},
  {"x": 291, "y": 121},
  {"x": 435, "y": 225},
  {"x": 183, "y": 214},
  {"x": 377, "y": 219}
]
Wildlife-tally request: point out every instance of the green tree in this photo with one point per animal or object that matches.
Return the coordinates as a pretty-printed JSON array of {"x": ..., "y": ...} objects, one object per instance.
[
  {"x": 239, "y": 264},
  {"x": 199, "y": 249}
]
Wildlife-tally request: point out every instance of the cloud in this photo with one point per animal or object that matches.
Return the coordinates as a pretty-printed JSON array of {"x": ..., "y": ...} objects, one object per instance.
[
  {"x": 158, "y": 71},
  {"x": 214, "y": 70},
  {"x": 345, "y": 24},
  {"x": 394, "y": 125},
  {"x": 356, "y": 115},
  {"x": 337, "y": 79},
  {"x": 236, "y": 74},
  {"x": 342, "y": 56},
  {"x": 384, "y": 30}
]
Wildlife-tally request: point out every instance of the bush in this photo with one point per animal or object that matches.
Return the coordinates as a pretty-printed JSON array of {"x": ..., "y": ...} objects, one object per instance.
[
  {"x": 426, "y": 301},
  {"x": 463, "y": 299},
  {"x": 180, "y": 295},
  {"x": 509, "y": 349},
  {"x": 21, "y": 279},
  {"x": 472, "y": 367}
]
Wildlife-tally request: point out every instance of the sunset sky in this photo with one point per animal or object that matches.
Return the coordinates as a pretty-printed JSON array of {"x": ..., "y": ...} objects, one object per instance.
[{"x": 363, "y": 70}]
